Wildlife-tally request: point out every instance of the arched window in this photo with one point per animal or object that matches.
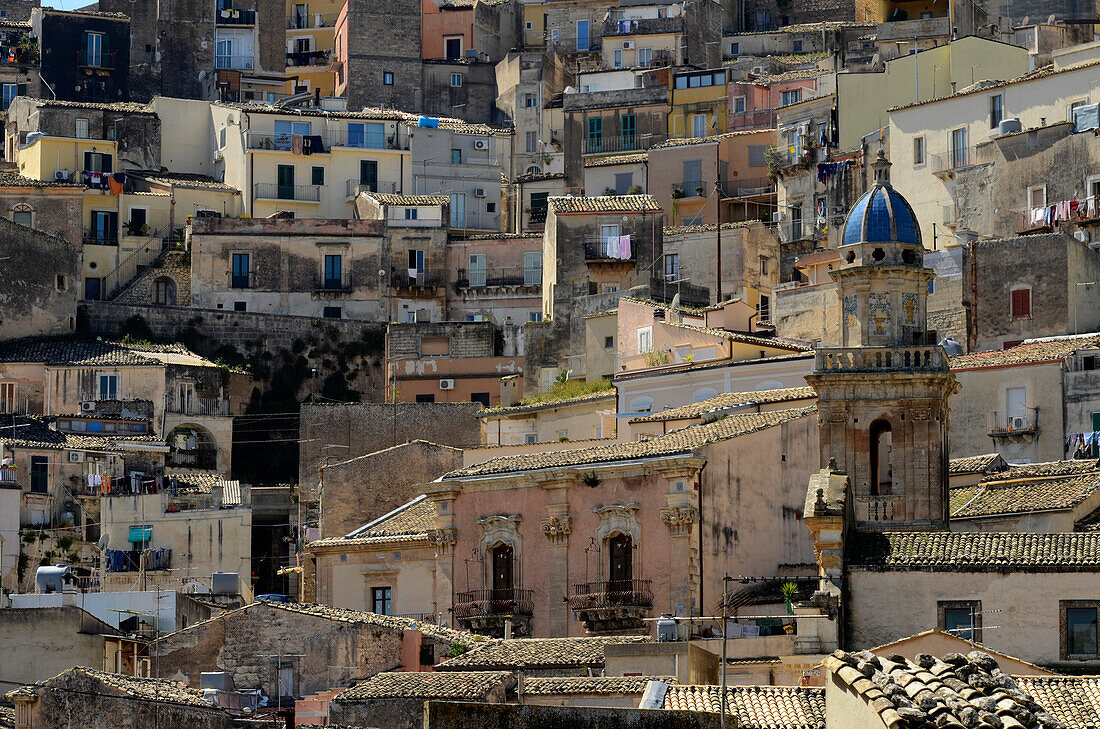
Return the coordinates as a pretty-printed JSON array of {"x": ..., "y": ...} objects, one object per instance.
[
  {"x": 620, "y": 574},
  {"x": 704, "y": 393},
  {"x": 533, "y": 170},
  {"x": 23, "y": 214},
  {"x": 881, "y": 448},
  {"x": 641, "y": 404},
  {"x": 503, "y": 565},
  {"x": 164, "y": 291}
]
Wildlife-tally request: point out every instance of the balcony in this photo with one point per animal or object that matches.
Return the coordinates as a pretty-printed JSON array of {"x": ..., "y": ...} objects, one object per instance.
[
  {"x": 332, "y": 288},
  {"x": 94, "y": 237},
  {"x": 304, "y": 21},
  {"x": 204, "y": 458},
  {"x": 947, "y": 164},
  {"x": 352, "y": 188},
  {"x": 474, "y": 221},
  {"x": 86, "y": 58},
  {"x": 642, "y": 26},
  {"x": 747, "y": 120},
  {"x": 231, "y": 16},
  {"x": 612, "y": 606},
  {"x": 307, "y": 58},
  {"x": 480, "y": 278},
  {"x": 621, "y": 143},
  {"x": 747, "y": 187},
  {"x": 197, "y": 405},
  {"x": 233, "y": 63},
  {"x": 423, "y": 279},
  {"x": 486, "y": 611},
  {"x": 597, "y": 250},
  {"x": 924, "y": 358},
  {"x": 537, "y": 216},
  {"x": 1009, "y": 427},
  {"x": 298, "y": 193},
  {"x": 691, "y": 189},
  {"x": 878, "y": 508},
  {"x": 357, "y": 139},
  {"x": 7, "y": 474},
  {"x": 136, "y": 560}
]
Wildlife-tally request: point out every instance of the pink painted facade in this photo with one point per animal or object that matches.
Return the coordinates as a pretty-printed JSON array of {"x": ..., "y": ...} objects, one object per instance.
[
  {"x": 509, "y": 289},
  {"x": 767, "y": 96},
  {"x": 437, "y": 25},
  {"x": 340, "y": 52}
]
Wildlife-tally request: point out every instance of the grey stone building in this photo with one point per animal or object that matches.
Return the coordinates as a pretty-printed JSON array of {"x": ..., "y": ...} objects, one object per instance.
[
  {"x": 594, "y": 124},
  {"x": 383, "y": 66},
  {"x": 38, "y": 282},
  {"x": 464, "y": 88},
  {"x": 84, "y": 55},
  {"x": 18, "y": 11}
]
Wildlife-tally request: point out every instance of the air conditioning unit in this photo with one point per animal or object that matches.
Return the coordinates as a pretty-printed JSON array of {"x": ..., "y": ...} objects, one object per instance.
[
  {"x": 76, "y": 456},
  {"x": 61, "y": 174},
  {"x": 446, "y": 384},
  {"x": 777, "y": 217},
  {"x": 87, "y": 406},
  {"x": 479, "y": 192},
  {"x": 1081, "y": 235},
  {"x": 757, "y": 71},
  {"x": 627, "y": 45},
  {"x": 219, "y": 155},
  {"x": 481, "y": 144},
  {"x": 1017, "y": 422}
]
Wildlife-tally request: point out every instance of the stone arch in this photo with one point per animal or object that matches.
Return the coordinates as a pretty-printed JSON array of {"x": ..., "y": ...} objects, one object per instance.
[
  {"x": 500, "y": 530},
  {"x": 193, "y": 446}
]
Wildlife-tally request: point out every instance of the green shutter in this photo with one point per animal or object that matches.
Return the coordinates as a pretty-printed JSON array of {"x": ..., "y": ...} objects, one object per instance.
[
  {"x": 21, "y": 89},
  {"x": 140, "y": 533}
]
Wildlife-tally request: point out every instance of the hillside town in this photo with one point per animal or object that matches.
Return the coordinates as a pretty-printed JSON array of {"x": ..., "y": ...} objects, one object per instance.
[{"x": 610, "y": 364}]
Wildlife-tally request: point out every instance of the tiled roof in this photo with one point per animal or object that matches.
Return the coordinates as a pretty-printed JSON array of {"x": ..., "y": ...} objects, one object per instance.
[
  {"x": 1073, "y": 700},
  {"x": 129, "y": 107},
  {"x": 345, "y": 615},
  {"x": 154, "y": 689},
  {"x": 617, "y": 159},
  {"x": 7, "y": 717},
  {"x": 795, "y": 75},
  {"x": 537, "y": 653},
  {"x": 540, "y": 177},
  {"x": 12, "y": 179},
  {"x": 443, "y": 122},
  {"x": 665, "y": 306},
  {"x": 187, "y": 180},
  {"x": 746, "y": 338},
  {"x": 1048, "y": 468},
  {"x": 461, "y": 685},
  {"x": 408, "y": 521},
  {"x": 729, "y": 400},
  {"x": 976, "y": 551},
  {"x": 1009, "y": 494},
  {"x": 706, "y": 227},
  {"x": 691, "y": 366},
  {"x": 957, "y": 691},
  {"x": 188, "y": 482},
  {"x": 1032, "y": 350},
  {"x": 391, "y": 199},
  {"x": 606, "y": 204},
  {"x": 28, "y": 431},
  {"x": 95, "y": 352},
  {"x": 680, "y": 441},
  {"x": 590, "y": 685},
  {"x": 974, "y": 464},
  {"x": 756, "y": 707},
  {"x": 689, "y": 141},
  {"x": 579, "y": 400}
]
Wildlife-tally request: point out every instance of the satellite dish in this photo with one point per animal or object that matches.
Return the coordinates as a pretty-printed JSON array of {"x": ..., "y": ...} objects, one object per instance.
[
  {"x": 103, "y": 542},
  {"x": 675, "y": 302}
]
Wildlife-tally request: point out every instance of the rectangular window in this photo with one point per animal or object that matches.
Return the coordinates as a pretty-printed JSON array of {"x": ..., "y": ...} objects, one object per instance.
[
  {"x": 92, "y": 52},
  {"x": 318, "y": 175},
  {"x": 7, "y": 397},
  {"x": 532, "y": 142},
  {"x": 1079, "y": 639},
  {"x": 1037, "y": 197},
  {"x": 672, "y": 266},
  {"x": 796, "y": 221},
  {"x": 918, "y": 151},
  {"x": 738, "y": 104},
  {"x": 758, "y": 155},
  {"x": 623, "y": 182},
  {"x": 331, "y": 312},
  {"x": 284, "y": 187},
  {"x": 609, "y": 342},
  {"x": 645, "y": 340},
  {"x": 957, "y": 144},
  {"x": 239, "y": 276},
  {"x": 416, "y": 262},
  {"x": 452, "y": 47},
  {"x": 456, "y": 156},
  {"x": 240, "y": 306},
  {"x": 13, "y": 90},
  {"x": 40, "y": 474},
  {"x": 334, "y": 271},
  {"x": 582, "y": 35},
  {"x": 693, "y": 176},
  {"x": 534, "y": 316},
  {"x": 595, "y": 133},
  {"x": 764, "y": 309},
  {"x": 458, "y": 209},
  {"x": 411, "y": 213},
  {"x": 996, "y": 110},
  {"x": 1021, "y": 304},
  {"x": 108, "y": 387},
  {"x": 763, "y": 265},
  {"x": 368, "y": 174},
  {"x": 366, "y": 136},
  {"x": 961, "y": 618},
  {"x": 698, "y": 125},
  {"x": 481, "y": 397},
  {"x": 735, "y": 48},
  {"x": 617, "y": 58},
  {"x": 456, "y": 80},
  {"x": 81, "y": 128},
  {"x": 387, "y": 78},
  {"x": 381, "y": 600},
  {"x": 629, "y": 129},
  {"x": 426, "y": 397},
  {"x": 645, "y": 56},
  {"x": 530, "y": 100},
  {"x": 798, "y": 46},
  {"x": 787, "y": 98},
  {"x": 532, "y": 268},
  {"x": 22, "y": 217},
  {"x": 477, "y": 271},
  {"x": 530, "y": 438}
]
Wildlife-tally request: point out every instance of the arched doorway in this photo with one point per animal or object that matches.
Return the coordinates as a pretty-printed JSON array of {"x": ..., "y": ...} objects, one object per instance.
[{"x": 882, "y": 472}]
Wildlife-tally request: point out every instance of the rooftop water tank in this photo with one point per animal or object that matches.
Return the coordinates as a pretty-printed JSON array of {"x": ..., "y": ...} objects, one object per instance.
[
  {"x": 224, "y": 583},
  {"x": 1009, "y": 126},
  {"x": 51, "y": 579}
]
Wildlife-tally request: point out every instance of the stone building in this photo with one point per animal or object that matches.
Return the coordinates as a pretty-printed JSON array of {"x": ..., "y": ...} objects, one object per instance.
[
  {"x": 19, "y": 75},
  {"x": 39, "y": 282},
  {"x": 398, "y": 700},
  {"x": 526, "y": 82},
  {"x": 495, "y": 278},
  {"x": 580, "y": 418},
  {"x": 378, "y": 52},
  {"x": 84, "y": 54},
  {"x": 18, "y": 11},
  {"x": 594, "y": 125},
  {"x": 112, "y": 700},
  {"x": 750, "y": 263},
  {"x": 42, "y": 642},
  {"x": 358, "y": 490},
  {"x": 325, "y": 647}
]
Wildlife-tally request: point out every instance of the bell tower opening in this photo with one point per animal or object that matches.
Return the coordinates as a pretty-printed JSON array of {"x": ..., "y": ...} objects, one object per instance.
[{"x": 882, "y": 475}]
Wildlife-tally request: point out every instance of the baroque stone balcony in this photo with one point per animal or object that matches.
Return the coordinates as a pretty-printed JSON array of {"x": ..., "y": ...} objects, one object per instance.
[
  {"x": 612, "y": 606},
  {"x": 928, "y": 358},
  {"x": 486, "y": 611}
]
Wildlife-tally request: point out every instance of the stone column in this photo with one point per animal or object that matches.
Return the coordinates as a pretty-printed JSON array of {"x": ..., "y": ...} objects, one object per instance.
[{"x": 556, "y": 528}]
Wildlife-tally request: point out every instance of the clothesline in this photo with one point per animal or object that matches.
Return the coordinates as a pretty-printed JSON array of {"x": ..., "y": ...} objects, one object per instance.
[
  {"x": 1065, "y": 210},
  {"x": 618, "y": 247}
]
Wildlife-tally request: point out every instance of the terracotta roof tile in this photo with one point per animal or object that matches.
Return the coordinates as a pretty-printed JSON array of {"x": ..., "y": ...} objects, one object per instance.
[
  {"x": 605, "y": 204},
  {"x": 684, "y": 440},
  {"x": 579, "y": 400},
  {"x": 756, "y": 707},
  {"x": 73, "y": 351},
  {"x": 957, "y": 691},
  {"x": 413, "y": 520},
  {"x": 729, "y": 400},
  {"x": 691, "y": 366},
  {"x": 12, "y": 179},
  {"x": 539, "y": 177},
  {"x": 1073, "y": 700},
  {"x": 188, "y": 180},
  {"x": 977, "y": 464},
  {"x": 706, "y": 228},
  {"x": 689, "y": 141},
  {"x": 391, "y": 199},
  {"x": 590, "y": 685},
  {"x": 976, "y": 551},
  {"x": 28, "y": 431},
  {"x": 7, "y": 717},
  {"x": 1032, "y": 350},
  {"x": 617, "y": 159},
  {"x": 746, "y": 338},
  {"x": 537, "y": 653},
  {"x": 153, "y": 689},
  {"x": 1011, "y": 493},
  {"x": 462, "y": 685}
]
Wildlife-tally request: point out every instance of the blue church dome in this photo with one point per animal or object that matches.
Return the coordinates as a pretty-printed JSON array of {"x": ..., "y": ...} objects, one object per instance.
[{"x": 882, "y": 215}]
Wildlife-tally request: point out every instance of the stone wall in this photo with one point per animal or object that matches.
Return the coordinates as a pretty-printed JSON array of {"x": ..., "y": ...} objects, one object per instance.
[
  {"x": 346, "y": 431},
  {"x": 448, "y": 715},
  {"x": 40, "y": 643},
  {"x": 356, "y": 491},
  {"x": 946, "y": 315},
  {"x": 39, "y": 282},
  {"x": 56, "y": 209},
  {"x": 173, "y": 267},
  {"x": 467, "y": 339},
  {"x": 384, "y": 37},
  {"x": 18, "y": 11},
  {"x": 807, "y": 313}
]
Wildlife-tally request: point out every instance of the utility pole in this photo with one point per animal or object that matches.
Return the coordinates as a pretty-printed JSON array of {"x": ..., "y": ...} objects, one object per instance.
[
  {"x": 718, "y": 254},
  {"x": 725, "y": 637}
]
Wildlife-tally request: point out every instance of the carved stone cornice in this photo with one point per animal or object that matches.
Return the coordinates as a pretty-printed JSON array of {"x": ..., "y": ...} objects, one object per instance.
[
  {"x": 557, "y": 529},
  {"x": 443, "y": 539},
  {"x": 679, "y": 519}
]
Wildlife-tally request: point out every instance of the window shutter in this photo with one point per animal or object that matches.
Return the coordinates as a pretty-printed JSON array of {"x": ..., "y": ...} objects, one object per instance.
[
  {"x": 21, "y": 90},
  {"x": 105, "y": 41},
  {"x": 1021, "y": 303}
]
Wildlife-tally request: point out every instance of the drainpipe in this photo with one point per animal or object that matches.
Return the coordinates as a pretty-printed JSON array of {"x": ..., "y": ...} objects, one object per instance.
[{"x": 702, "y": 579}]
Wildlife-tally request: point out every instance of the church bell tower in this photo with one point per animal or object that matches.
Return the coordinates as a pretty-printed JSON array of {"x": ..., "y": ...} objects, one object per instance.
[{"x": 882, "y": 394}]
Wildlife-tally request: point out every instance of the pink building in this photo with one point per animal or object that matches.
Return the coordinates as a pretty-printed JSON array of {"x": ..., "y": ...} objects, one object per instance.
[
  {"x": 495, "y": 278},
  {"x": 752, "y": 103}
]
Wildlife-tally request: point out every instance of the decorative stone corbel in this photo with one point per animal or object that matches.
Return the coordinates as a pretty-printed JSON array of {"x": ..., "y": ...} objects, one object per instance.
[
  {"x": 679, "y": 519},
  {"x": 557, "y": 529}
]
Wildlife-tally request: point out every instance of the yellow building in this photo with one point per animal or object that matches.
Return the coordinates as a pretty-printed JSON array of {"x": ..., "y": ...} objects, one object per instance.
[
  {"x": 697, "y": 104},
  {"x": 310, "y": 44},
  {"x": 864, "y": 98},
  {"x": 258, "y": 152}
]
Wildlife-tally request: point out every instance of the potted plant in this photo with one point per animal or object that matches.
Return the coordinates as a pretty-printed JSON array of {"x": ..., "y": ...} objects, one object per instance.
[
  {"x": 699, "y": 191},
  {"x": 677, "y": 193},
  {"x": 135, "y": 228}
]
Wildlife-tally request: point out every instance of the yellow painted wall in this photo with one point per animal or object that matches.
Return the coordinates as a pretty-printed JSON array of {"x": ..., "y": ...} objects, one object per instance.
[{"x": 39, "y": 160}]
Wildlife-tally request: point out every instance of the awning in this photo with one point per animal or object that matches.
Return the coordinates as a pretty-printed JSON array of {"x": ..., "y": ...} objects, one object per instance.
[{"x": 141, "y": 533}]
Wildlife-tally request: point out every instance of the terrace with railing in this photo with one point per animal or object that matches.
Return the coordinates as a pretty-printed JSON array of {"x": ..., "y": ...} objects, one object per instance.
[
  {"x": 193, "y": 405},
  {"x": 611, "y": 605},
  {"x": 303, "y": 21},
  {"x": 499, "y": 276},
  {"x": 621, "y": 143},
  {"x": 881, "y": 359},
  {"x": 947, "y": 164},
  {"x": 275, "y": 191}
]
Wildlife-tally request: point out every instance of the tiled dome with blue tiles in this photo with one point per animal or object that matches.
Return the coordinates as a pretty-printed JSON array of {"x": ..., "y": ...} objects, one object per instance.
[{"x": 882, "y": 215}]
